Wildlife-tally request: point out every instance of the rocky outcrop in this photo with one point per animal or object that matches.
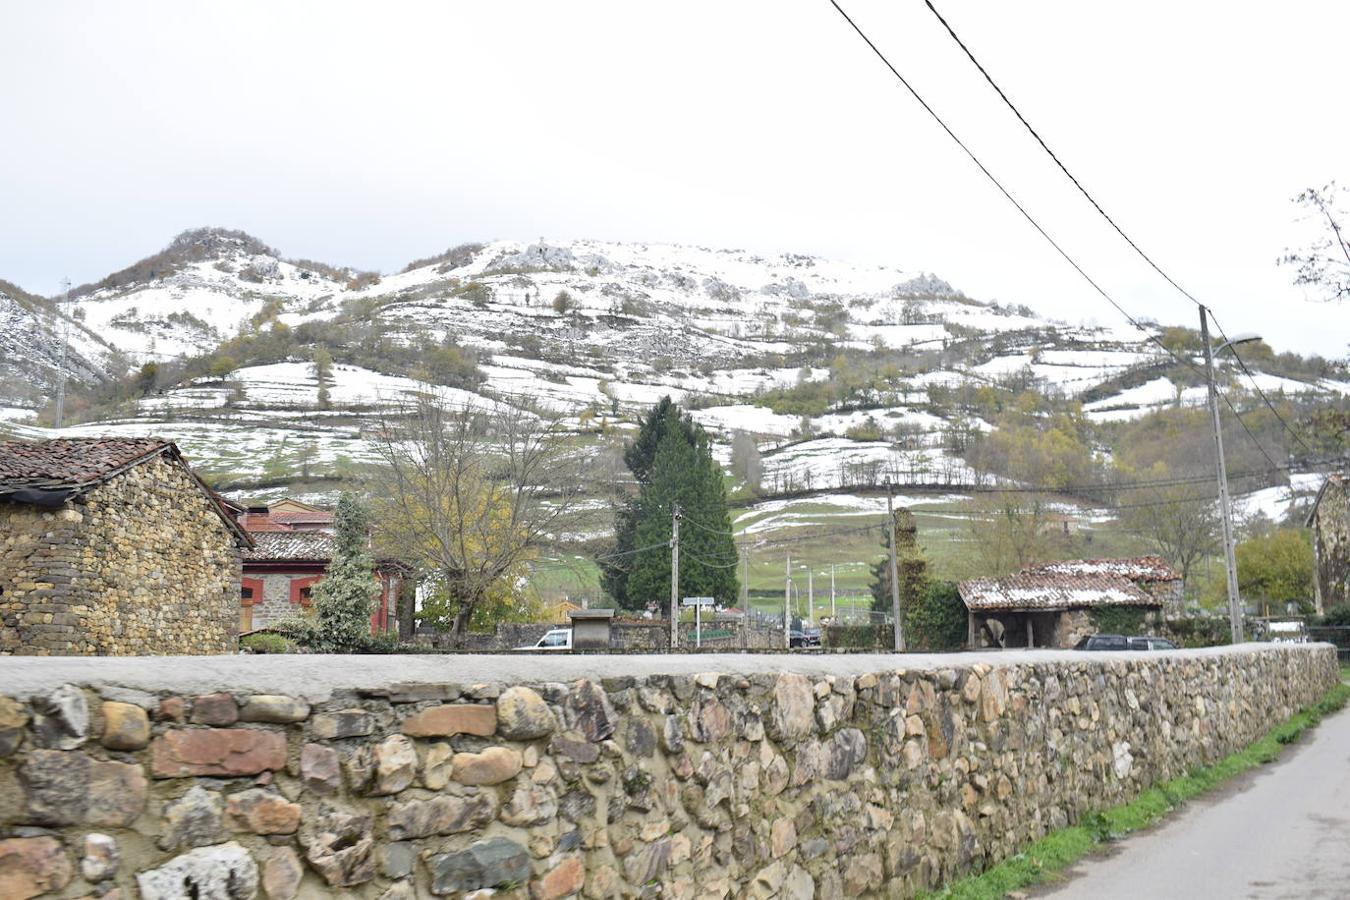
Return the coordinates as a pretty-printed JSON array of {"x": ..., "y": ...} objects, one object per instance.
[{"x": 776, "y": 783}]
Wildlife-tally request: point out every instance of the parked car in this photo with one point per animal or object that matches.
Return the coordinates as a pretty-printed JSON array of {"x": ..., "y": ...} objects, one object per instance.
[
  {"x": 806, "y": 637},
  {"x": 553, "y": 639},
  {"x": 1103, "y": 642},
  {"x": 1151, "y": 643}
]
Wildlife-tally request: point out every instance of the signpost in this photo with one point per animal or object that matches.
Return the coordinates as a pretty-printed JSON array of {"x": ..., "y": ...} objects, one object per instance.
[{"x": 698, "y": 603}]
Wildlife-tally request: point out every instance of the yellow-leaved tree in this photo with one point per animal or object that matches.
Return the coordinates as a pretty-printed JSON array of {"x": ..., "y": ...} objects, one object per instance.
[{"x": 468, "y": 493}]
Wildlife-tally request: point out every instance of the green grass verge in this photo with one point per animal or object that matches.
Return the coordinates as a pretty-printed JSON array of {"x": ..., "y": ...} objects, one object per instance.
[{"x": 1048, "y": 857}]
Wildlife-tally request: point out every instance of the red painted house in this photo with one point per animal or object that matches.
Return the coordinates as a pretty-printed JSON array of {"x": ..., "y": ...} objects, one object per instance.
[{"x": 292, "y": 550}]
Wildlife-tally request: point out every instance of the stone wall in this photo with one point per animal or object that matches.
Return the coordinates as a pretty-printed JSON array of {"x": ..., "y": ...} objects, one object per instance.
[
  {"x": 1331, "y": 545},
  {"x": 140, "y": 565},
  {"x": 752, "y": 783}
]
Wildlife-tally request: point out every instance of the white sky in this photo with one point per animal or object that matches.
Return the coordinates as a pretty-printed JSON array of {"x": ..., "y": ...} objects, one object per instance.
[{"x": 369, "y": 134}]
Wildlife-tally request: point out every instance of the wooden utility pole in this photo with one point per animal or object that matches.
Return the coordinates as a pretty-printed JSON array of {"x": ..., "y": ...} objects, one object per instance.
[
  {"x": 745, "y": 578},
  {"x": 675, "y": 577},
  {"x": 895, "y": 568},
  {"x": 787, "y": 603},
  {"x": 1234, "y": 601},
  {"x": 811, "y": 596},
  {"x": 832, "y": 593}
]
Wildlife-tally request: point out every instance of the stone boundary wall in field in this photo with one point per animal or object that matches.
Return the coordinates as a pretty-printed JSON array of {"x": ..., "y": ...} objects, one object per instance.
[{"x": 781, "y": 776}]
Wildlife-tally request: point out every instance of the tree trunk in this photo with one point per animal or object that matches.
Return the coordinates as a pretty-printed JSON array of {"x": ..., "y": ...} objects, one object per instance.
[
  {"x": 407, "y": 609},
  {"x": 459, "y": 626}
]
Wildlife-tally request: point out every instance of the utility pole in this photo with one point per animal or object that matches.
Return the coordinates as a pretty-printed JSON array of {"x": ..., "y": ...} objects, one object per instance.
[
  {"x": 787, "y": 603},
  {"x": 895, "y": 568},
  {"x": 1225, "y": 503},
  {"x": 64, "y": 311},
  {"x": 811, "y": 596},
  {"x": 675, "y": 577},
  {"x": 745, "y": 578},
  {"x": 832, "y": 593}
]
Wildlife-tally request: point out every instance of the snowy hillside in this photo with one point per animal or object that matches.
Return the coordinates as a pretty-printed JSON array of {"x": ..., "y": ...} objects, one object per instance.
[{"x": 596, "y": 330}]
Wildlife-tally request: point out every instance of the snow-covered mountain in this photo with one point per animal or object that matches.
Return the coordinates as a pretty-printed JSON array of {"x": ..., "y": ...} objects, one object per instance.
[{"x": 597, "y": 329}]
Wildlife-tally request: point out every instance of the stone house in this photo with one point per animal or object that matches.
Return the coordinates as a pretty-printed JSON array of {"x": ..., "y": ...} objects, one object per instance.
[
  {"x": 1053, "y": 605},
  {"x": 281, "y": 569},
  {"x": 112, "y": 547},
  {"x": 1330, "y": 524}
]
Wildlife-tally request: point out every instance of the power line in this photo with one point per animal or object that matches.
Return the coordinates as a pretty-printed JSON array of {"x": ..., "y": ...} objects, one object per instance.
[
  {"x": 1112, "y": 222},
  {"x": 712, "y": 565},
  {"x": 1004, "y": 191},
  {"x": 684, "y": 517},
  {"x": 1256, "y": 384}
]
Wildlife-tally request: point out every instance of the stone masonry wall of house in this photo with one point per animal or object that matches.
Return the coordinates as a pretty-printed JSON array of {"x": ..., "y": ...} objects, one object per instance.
[
  {"x": 766, "y": 782},
  {"x": 140, "y": 565}
]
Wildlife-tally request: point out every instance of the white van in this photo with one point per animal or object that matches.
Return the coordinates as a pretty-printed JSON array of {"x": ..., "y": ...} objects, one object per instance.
[{"x": 554, "y": 639}]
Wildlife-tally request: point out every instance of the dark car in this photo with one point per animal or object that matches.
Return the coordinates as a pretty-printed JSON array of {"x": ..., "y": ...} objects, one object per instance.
[
  {"x": 1103, "y": 642},
  {"x": 806, "y": 637},
  {"x": 1151, "y": 643}
]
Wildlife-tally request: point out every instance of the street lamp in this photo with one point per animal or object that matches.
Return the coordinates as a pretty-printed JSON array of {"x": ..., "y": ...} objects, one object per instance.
[{"x": 1230, "y": 560}]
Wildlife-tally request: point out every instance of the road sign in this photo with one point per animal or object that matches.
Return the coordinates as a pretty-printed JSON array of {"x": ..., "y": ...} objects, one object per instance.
[{"x": 698, "y": 601}]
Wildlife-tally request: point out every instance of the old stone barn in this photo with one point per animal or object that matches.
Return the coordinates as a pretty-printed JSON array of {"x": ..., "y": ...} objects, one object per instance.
[
  {"x": 112, "y": 546},
  {"x": 1056, "y": 604}
]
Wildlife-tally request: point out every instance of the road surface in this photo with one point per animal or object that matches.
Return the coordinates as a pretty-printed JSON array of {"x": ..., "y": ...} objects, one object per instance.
[{"x": 1280, "y": 831}]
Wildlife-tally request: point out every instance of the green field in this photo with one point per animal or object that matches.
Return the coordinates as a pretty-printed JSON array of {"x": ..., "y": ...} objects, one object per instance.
[{"x": 819, "y": 534}]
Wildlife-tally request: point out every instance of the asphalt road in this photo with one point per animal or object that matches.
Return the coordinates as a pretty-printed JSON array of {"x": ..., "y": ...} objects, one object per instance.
[{"x": 1281, "y": 831}]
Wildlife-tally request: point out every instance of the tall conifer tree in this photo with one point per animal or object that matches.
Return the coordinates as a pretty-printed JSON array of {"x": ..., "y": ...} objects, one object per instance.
[{"x": 672, "y": 462}]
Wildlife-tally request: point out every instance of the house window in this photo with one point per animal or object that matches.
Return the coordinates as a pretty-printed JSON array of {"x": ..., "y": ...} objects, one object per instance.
[
  {"x": 302, "y": 588},
  {"x": 250, "y": 591}
]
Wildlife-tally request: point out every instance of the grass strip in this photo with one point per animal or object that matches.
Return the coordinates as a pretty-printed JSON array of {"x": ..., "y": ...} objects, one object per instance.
[{"x": 1049, "y": 856}]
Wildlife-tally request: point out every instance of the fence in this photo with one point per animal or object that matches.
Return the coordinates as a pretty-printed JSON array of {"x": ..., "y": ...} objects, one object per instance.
[{"x": 1333, "y": 634}]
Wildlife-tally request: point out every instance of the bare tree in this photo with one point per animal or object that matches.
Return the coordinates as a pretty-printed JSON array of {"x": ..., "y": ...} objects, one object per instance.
[
  {"x": 1008, "y": 531},
  {"x": 1325, "y": 263},
  {"x": 746, "y": 462},
  {"x": 1180, "y": 523},
  {"x": 471, "y": 494}
]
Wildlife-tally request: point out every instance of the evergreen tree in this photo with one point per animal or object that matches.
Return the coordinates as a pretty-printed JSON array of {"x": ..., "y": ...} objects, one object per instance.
[
  {"x": 345, "y": 597},
  {"x": 672, "y": 463}
]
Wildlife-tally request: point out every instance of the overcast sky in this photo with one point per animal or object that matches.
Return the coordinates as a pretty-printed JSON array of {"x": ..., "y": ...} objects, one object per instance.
[{"x": 369, "y": 134}]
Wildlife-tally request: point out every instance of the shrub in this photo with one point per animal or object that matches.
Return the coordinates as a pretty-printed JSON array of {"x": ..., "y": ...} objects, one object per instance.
[
  {"x": 1124, "y": 620},
  {"x": 865, "y": 637},
  {"x": 266, "y": 642},
  {"x": 1336, "y": 616},
  {"x": 937, "y": 621}
]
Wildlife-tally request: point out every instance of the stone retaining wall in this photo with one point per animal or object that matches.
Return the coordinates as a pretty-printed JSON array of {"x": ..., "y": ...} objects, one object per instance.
[{"x": 754, "y": 784}]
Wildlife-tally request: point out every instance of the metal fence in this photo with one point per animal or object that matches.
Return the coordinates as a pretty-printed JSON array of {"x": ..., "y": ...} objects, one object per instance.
[{"x": 1333, "y": 634}]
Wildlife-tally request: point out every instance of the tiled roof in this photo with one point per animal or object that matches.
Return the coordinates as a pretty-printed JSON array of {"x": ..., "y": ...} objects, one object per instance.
[
  {"x": 255, "y": 523},
  {"x": 297, "y": 546},
  {"x": 1051, "y": 592},
  {"x": 70, "y": 463},
  {"x": 1138, "y": 568},
  {"x": 50, "y": 473},
  {"x": 317, "y": 517}
]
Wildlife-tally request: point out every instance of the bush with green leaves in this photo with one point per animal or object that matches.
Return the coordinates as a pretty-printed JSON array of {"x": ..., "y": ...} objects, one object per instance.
[
  {"x": 266, "y": 642},
  {"x": 1336, "y": 616},
  {"x": 938, "y": 619},
  {"x": 1126, "y": 620}
]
